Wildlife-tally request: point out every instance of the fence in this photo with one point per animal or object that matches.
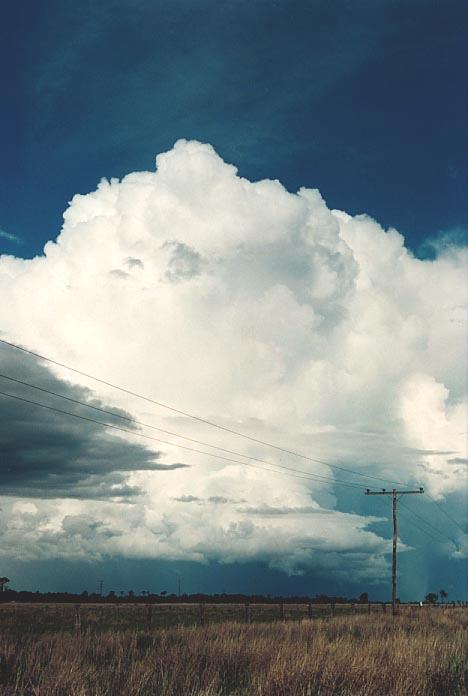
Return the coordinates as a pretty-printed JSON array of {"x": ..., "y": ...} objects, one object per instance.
[{"x": 44, "y": 618}]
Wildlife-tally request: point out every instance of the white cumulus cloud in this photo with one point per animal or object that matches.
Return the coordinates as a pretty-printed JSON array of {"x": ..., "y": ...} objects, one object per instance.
[{"x": 266, "y": 312}]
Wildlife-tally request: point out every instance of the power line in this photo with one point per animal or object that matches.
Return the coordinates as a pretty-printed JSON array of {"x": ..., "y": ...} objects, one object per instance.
[
  {"x": 310, "y": 477},
  {"x": 446, "y": 513},
  {"x": 126, "y": 418},
  {"x": 426, "y": 522},
  {"x": 415, "y": 524},
  {"x": 288, "y": 471},
  {"x": 423, "y": 519},
  {"x": 291, "y": 471},
  {"x": 130, "y": 419},
  {"x": 195, "y": 417},
  {"x": 296, "y": 473},
  {"x": 421, "y": 529}
]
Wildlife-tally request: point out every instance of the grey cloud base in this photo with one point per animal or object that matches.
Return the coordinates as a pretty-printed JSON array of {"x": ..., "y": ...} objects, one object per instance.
[{"x": 45, "y": 454}]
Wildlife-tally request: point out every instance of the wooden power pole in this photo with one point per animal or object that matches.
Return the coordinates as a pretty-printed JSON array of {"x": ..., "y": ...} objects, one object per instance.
[{"x": 394, "y": 493}]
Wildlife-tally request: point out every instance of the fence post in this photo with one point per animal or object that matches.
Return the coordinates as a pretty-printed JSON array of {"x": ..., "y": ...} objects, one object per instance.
[
  {"x": 247, "y": 613},
  {"x": 309, "y": 610},
  {"x": 149, "y": 617},
  {"x": 369, "y": 608},
  {"x": 201, "y": 609},
  {"x": 77, "y": 618},
  {"x": 384, "y": 608},
  {"x": 332, "y": 609},
  {"x": 281, "y": 608},
  {"x": 353, "y": 608}
]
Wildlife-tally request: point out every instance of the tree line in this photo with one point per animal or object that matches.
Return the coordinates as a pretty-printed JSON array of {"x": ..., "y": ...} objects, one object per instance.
[{"x": 147, "y": 597}]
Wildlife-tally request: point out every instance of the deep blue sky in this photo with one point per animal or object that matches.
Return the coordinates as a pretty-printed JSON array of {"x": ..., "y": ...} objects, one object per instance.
[{"x": 365, "y": 100}]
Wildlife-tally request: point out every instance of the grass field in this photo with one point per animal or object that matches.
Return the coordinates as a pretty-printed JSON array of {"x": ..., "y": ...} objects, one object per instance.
[{"x": 421, "y": 652}]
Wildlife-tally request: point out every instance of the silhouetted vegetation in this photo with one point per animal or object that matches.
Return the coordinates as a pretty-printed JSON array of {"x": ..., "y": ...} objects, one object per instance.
[
  {"x": 147, "y": 597},
  {"x": 431, "y": 598}
]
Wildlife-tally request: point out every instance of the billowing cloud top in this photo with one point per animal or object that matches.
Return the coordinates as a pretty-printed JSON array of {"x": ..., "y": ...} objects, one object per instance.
[{"x": 266, "y": 312}]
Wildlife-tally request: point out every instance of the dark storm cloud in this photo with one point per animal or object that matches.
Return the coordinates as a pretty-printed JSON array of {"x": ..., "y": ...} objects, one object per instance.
[{"x": 49, "y": 454}]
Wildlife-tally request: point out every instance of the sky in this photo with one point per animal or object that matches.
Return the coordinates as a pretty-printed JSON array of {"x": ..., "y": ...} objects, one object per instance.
[{"x": 254, "y": 213}]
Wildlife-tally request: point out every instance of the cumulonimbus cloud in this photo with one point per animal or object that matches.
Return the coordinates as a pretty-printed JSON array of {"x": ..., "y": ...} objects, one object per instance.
[{"x": 268, "y": 313}]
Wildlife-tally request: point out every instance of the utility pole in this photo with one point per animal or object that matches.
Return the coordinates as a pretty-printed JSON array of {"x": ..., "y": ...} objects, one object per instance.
[
  {"x": 176, "y": 572},
  {"x": 394, "y": 493}
]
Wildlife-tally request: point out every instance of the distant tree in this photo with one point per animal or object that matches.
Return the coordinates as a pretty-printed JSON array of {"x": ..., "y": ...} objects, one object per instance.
[
  {"x": 3, "y": 581},
  {"x": 363, "y": 598},
  {"x": 443, "y": 594},
  {"x": 111, "y": 594},
  {"x": 131, "y": 593},
  {"x": 163, "y": 593},
  {"x": 431, "y": 597}
]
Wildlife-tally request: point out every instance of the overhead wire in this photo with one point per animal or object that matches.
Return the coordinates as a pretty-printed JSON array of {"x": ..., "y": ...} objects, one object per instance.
[
  {"x": 130, "y": 419},
  {"x": 422, "y": 529},
  {"x": 136, "y": 422},
  {"x": 414, "y": 524},
  {"x": 289, "y": 471},
  {"x": 206, "y": 421},
  {"x": 452, "y": 519},
  {"x": 210, "y": 423},
  {"x": 195, "y": 417},
  {"x": 425, "y": 521}
]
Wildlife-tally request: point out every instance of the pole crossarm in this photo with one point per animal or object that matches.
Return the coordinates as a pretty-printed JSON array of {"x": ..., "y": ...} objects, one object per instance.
[{"x": 395, "y": 493}]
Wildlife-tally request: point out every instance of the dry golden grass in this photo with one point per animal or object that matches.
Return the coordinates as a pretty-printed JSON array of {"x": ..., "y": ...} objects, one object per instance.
[{"x": 419, "y": 653}]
